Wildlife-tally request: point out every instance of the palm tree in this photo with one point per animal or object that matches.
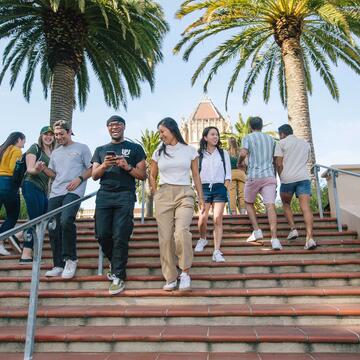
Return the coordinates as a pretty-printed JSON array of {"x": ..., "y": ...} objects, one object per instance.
[
  {"x": 120, "y": 39},
  {"x": 280, "y": 37},
  {"x": 150, "y": 140},
  {"x": 242, "y": 128}
]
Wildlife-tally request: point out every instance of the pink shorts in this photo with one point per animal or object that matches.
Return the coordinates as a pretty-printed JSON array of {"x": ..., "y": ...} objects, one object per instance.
[{"x": 265, "y": 186}]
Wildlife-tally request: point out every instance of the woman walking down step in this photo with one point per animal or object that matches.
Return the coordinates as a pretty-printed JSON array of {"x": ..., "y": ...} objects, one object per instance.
[
  {"x": 10, "y": 152},
  {"x": 238, "y": 178},
  {"x": 215, "y": 175},
  {"x": 174, "y": 202},
  {"x": 36, "y": 184}
]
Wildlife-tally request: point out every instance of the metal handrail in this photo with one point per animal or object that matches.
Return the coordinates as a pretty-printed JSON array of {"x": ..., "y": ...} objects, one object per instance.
[
  {"x": 334, "y": 173},
  {"x": 40, "y": 223}
]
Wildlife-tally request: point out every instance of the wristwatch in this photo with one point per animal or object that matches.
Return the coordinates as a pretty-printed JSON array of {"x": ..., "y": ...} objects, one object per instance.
[{"x": 130, "y": 168}]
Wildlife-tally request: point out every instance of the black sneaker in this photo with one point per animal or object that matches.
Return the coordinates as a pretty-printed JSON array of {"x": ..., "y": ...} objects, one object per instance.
[
  {"x": 25, "y": 261},
  {"x": 15, "y": 243}
]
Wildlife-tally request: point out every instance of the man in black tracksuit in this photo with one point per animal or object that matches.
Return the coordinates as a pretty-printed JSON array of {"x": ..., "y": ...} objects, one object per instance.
[{"x": 117, "y": 165}]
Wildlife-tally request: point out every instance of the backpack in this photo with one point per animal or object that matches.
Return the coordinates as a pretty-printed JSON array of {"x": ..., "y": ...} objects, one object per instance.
[
  {"x": 20, "y": 167},
  {"x": 221, "y": 152}
]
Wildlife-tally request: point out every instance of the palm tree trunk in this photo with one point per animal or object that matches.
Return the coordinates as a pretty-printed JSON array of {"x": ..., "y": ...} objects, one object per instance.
[
  {"x": 62, "y": 94},
  {"x": 297, "y": 98}
]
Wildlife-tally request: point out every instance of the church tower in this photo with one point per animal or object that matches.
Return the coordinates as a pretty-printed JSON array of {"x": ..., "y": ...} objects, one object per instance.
[{"x": 205, "y": 114}]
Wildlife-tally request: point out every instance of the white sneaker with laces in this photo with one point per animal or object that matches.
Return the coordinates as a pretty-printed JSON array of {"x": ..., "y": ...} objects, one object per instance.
[
  {"x": 55, "y": 271},
  {"x": 170, "y": 286},
  {"x": 185, "y": 282},
  {"x": 310, "y": 244},
  {"x": 255, "y": 236},
  {"x": 218, "y": 256},
  {"x": 3, "y": 250},
  {"x": 293, "y": 234},
  {"x": 275, "y": 244},
  {"x": 201, "y": 243},
  {"x": 69, "y": 270}
]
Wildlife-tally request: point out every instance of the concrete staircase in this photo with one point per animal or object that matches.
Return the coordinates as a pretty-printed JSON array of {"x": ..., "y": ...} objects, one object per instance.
[{"x": 259, "y": 304}]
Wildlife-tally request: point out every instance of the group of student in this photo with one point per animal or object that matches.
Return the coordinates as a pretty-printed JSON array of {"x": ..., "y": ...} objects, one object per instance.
[{"x": 174, "y": 167}]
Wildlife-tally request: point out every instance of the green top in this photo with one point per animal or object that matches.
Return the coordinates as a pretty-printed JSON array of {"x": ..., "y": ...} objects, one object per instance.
[
  {"x": 233, "y": 162},
  {"x": 40, "y": 180}
]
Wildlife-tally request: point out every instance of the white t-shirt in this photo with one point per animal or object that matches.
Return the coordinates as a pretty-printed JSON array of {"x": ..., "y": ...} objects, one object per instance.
[
  {"x": 212, "y": 168},
  {"x": 174, "y": 168},
  {"x": 295, "y": 153}
]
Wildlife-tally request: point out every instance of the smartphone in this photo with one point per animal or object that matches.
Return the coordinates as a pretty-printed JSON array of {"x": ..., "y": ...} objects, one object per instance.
[{"x": 111, "y": 153}]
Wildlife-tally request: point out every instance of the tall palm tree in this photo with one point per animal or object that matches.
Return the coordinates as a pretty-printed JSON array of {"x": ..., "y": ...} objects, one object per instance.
[
  {"x": 120, "y": 39},
  {"x": 280, "y": 37},
  {"x": 150, "y": 140}
]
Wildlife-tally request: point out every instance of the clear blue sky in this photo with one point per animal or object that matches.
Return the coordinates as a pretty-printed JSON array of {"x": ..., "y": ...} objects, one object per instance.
[{"x": 336, "y": 126}]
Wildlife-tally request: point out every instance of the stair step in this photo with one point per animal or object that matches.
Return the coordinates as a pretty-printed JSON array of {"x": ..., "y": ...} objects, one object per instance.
[
  {"x": 236, "y": 314},
  {"x": 196, "y": 337},
  {"x": 294, "y": 295},
  {"x": 206, "y": 281},
  {"x": 184, "y": 356}
]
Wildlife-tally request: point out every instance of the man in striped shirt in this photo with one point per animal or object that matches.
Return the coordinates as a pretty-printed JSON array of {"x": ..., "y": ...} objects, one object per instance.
[{"x": 261, "y": 178}]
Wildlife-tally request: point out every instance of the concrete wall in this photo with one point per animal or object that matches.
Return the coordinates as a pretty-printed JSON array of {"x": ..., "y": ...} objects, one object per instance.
[{"x": 348, "y": 188}]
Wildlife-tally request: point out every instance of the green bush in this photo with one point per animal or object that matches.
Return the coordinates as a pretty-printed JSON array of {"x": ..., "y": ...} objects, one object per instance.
[
  {"x": 23, "y": 211},
  {"x": 295, "y": 206}
]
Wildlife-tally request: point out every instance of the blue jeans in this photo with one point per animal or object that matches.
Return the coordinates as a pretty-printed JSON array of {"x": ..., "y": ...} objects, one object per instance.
[
  {"x": 63, "y": 237},
  {"x": 36, "y": 204},
  {"x": 9, "y": 197}
]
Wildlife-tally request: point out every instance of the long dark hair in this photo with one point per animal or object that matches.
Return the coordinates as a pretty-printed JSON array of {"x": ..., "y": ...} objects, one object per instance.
[
  {"x": 203, "y": 142},
  {"x": 12, "y": 139},
  {"x": 173, "y": 127}
]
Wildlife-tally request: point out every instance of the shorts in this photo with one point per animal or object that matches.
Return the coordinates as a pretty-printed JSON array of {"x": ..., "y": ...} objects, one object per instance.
[
  {"x": 217, "y": 193},
  {"x": 298, "y": 187},
  {"x": 265, "y": 186}
]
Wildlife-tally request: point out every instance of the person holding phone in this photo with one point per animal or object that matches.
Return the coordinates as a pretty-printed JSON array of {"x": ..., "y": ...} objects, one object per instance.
[{"x": 116, "y": 165}]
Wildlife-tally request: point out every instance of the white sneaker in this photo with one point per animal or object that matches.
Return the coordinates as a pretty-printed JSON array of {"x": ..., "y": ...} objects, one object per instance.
[
  {"x": 185, "y": 282},
  {"x": 255, "y": 236},
  {"x": 55, "y": 271},
  {"x": 310, "y": 244},
  {"x": 243, "y": 212},
  {"x": 3, "y": 250},
  {"x": 201, "y": 243},
  {"x": 218, "y": 256},
  {"x": 69, "y": 270},
  {"x": 275, "y": 244},
  {"x": 293, "y": 234},
  {"x": 170, "y": 286}
]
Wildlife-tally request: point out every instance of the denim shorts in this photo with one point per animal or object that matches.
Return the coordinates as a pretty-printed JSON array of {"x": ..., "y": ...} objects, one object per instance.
[
  {"x": 216, "y": 193},
  {"x": 299, "y": 188}
]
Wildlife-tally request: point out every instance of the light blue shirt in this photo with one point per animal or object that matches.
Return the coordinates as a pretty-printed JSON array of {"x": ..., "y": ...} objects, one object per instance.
[{"x": 261, "y": 153}]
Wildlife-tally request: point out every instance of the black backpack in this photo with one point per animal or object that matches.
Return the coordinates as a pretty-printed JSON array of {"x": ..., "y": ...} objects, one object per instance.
[
  {"x": 221, "y": 151},
  {"x": 20, "y": 167}
]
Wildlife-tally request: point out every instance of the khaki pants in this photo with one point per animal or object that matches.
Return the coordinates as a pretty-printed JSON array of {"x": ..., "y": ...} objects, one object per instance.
[
  {"x": 174, "y": 210},
  {"x": 238, "y": 178}
]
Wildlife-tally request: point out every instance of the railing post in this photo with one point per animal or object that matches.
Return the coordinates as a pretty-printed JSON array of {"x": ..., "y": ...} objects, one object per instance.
[
  {"x": 318, "y": 190},
  {"x": 142, "y": 201},
  {"x": 100, "y": 261},
  {"x": 38, "y": 238},
  {"x": 334, "y": 175}
]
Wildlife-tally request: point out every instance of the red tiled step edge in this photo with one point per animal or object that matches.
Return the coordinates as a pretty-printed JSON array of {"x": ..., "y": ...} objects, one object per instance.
[
  {"x": 86, "y": 311},
  {"x": 208, "y": 253},
  {"x": 206, "y": 264},
  {"x": 189, "y": 333},
  {"x": 245, "y": 235},
  {"x": 225, "y": 244},
  {"x": 206, "y": 277},
  {"x": 298, "y": 291},
  {"x": 183, "y": 356}
]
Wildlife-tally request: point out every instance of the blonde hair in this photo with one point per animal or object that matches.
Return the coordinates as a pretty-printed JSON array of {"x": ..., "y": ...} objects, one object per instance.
[{"x": 233, "y": 147}]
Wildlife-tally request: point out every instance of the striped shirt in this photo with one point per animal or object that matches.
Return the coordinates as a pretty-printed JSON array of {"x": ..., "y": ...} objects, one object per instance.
[{"x": 261, "y": 153}]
